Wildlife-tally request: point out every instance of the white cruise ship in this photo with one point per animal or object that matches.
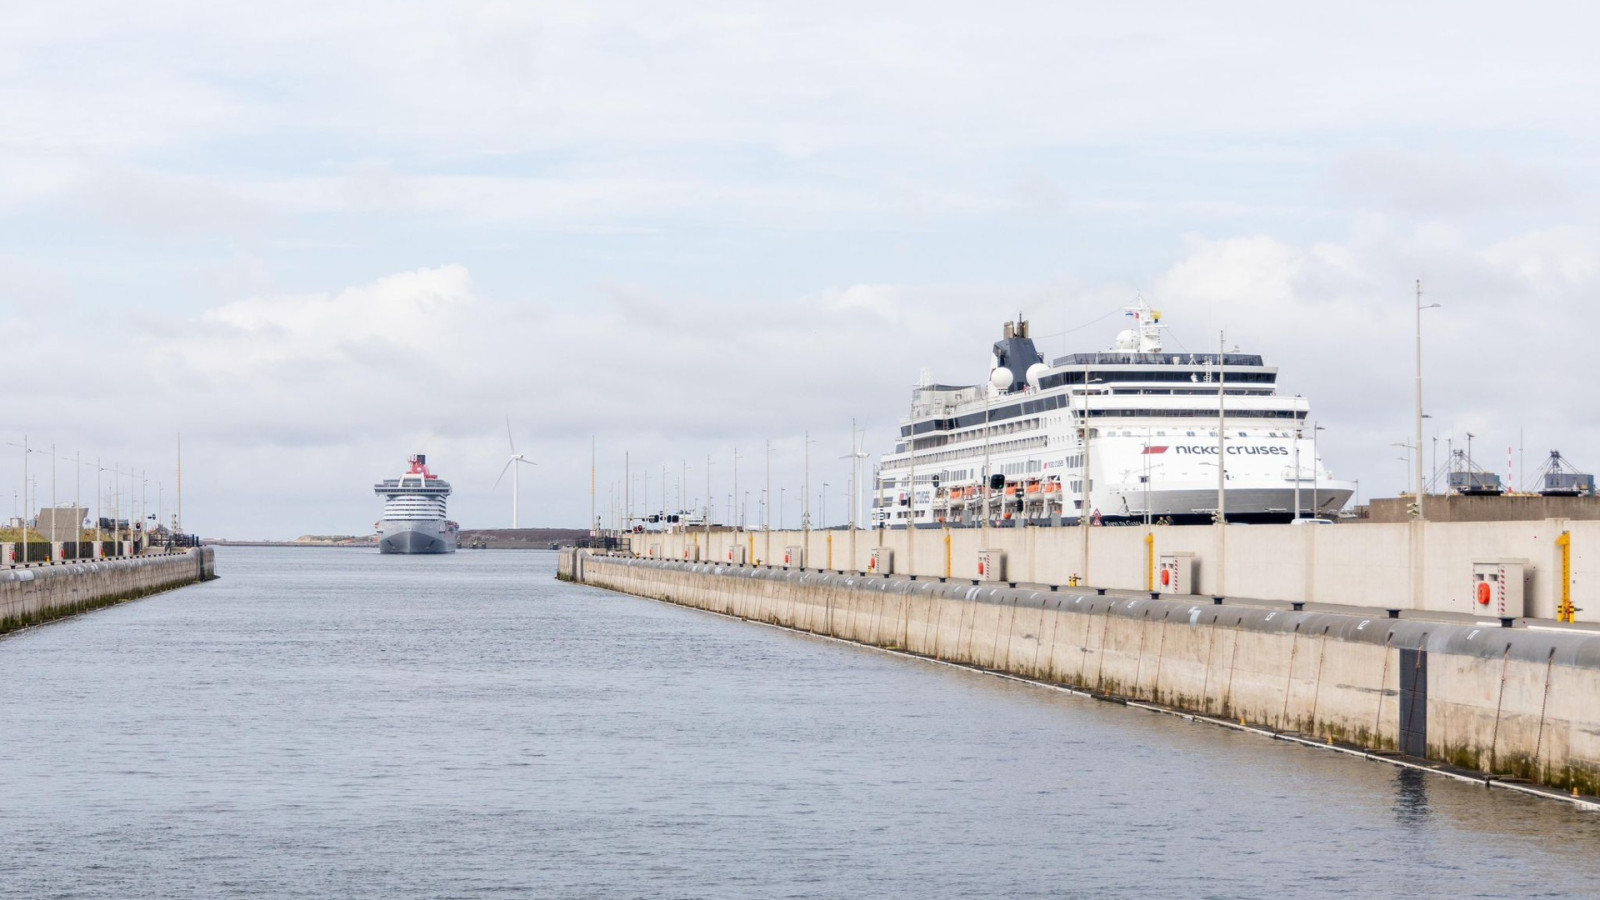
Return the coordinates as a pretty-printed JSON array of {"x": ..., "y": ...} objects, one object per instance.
[
  {"x": 1128, "y": 434},
  {"x": 414, "y": 518}
]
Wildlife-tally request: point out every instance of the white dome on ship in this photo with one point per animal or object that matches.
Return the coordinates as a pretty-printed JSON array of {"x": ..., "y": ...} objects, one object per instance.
[
  {"x": 1001, "y": 378},
  {"x": 1127, "y": 340},
  {"x": 1035, "y": 373}
]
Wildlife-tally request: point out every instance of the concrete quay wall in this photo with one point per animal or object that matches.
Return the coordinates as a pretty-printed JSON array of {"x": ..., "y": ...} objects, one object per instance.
[
  {"x": 1509, "y": 703},
  {"x": 1425, "y": 566},
  {"x": 39, "y": 593}
]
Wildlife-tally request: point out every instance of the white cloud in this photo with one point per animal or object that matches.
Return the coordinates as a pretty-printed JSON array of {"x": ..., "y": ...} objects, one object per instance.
[{"x": 688, "y": 229}]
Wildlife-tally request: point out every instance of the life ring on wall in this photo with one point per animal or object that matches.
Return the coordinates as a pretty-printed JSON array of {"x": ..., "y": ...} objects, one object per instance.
[
  {"x": 1483, "y": 592},
  {"x": 1166, "y": 577}
]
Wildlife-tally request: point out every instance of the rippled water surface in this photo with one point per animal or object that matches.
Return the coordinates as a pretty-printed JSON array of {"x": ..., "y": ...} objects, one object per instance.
[{"x": 335, "y": 723}]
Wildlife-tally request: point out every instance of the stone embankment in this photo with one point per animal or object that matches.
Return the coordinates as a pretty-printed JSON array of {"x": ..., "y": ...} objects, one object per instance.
[
  {"x": 1512, "y": 705},
  {"x": 34, "y": 594}
]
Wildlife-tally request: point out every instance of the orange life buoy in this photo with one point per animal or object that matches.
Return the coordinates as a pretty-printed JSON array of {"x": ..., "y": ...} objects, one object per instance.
[
  {"x": 1166, "y": 577},
  {"x": 1483, "y": 592}
]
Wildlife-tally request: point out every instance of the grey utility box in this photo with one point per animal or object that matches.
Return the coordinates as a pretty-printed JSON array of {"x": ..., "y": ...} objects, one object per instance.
[
  {"x": 794, "y": 555},
  {"x": 1497, "y": 588},
  {"x": 882, "y": 561},
  {"x": 1175, "y": 574},
  {"x": 991, "y": 565}
]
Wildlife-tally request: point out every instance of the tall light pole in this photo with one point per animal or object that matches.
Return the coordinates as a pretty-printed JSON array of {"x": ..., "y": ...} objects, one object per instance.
[
  {"x": 1222, "y": 429},
  {"x": 99, "y": 503},
  {"x": 988, "y": 396},
  {"x": 805, "y": 498},
  {"x": 25, "y": 452},
  {"x": 911, "y": 490},
  {"x": 854, "y": 504},
  {"x": 54, "y": 506},
  {"x": 1085, "y": 471},
  {"x": 1316, "y": 510},
  {"x": 177, "y": 519},
  {"x": 1406, "y": 446},
  {"x": 1297, "y": 438},
  {"x": 1222, "y": 463},
  {"x": 1421, "y": 516},
  {"x": 766, "y": 508}
]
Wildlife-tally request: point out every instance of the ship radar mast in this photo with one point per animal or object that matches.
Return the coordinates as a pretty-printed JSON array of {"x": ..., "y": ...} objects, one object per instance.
[{"x": 1145, "y": 336}]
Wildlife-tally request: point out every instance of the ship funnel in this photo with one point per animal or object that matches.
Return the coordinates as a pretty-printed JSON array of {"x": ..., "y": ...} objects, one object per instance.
[{"x": 1014, "y": 355}]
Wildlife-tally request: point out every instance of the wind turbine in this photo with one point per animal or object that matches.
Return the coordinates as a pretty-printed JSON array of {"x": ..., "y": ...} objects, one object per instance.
[{"x": 511, "y": 464}]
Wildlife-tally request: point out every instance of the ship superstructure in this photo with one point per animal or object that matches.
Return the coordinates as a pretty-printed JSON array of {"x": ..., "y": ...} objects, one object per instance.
[
  {"x": 1130, "y": 433},
  {"x": 414, "y": 518}
]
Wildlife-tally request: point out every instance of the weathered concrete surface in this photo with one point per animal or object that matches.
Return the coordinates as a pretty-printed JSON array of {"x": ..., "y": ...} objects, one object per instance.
[
  {"x": 1502, "y": 508},
  {"x": 1425, "y": 566},
  {"x": 40, "y": 593},
  {"x": 1505, "y": 702}
]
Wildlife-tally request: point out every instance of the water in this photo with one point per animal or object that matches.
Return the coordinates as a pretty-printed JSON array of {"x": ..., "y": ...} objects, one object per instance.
[{"x": 337, "y": 723}]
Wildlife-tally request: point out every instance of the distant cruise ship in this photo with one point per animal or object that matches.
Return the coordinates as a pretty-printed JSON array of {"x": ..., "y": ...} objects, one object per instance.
[
  {"x": 1017, "y": 449},
  {"x": 413, "y": 512}
]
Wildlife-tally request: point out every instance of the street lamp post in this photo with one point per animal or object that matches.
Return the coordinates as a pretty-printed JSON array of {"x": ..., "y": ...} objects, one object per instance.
[
  {"x": 1420, "y": 487},
  {"x": 766, "y": 509},
  {"x": 1316, "y": 510},
  {"x": 1297, "y": 437},
  {"x": 1085, "y": 471},
  {"x": 1406, "y": 446}
]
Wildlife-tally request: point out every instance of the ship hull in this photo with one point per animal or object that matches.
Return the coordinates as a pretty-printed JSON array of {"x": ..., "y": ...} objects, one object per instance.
[{"x": 416, "y": 537}]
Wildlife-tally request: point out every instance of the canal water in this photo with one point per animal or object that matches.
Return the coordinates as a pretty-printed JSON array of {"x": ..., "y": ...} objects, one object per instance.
[{"x": 335, "y": 723}]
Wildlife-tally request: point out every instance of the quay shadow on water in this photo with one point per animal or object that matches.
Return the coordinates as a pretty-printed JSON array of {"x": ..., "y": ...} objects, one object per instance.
[{"x": 329, "y": 722}]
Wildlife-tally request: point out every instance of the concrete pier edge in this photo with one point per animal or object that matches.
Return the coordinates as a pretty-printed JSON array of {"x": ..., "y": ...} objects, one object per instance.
[
  {"x": 38, "y": 595},
  {"x": 1559, "y": 763}
]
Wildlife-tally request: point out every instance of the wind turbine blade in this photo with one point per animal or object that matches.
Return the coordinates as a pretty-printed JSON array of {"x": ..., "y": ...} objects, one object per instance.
[
  {"x": 527, "y": 462},
  {"x": 503, "y": 473},
  {"x": 509, "y": 439}
]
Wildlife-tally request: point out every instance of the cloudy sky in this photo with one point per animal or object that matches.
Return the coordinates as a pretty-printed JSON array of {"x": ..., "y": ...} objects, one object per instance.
[{"x": 314, "y": 239}]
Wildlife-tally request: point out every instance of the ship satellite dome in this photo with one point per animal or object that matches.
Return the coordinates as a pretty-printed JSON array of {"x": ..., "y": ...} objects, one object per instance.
[
  {"x": 1127, "y": 340},
  {"x": 1001, "y": 378},
  {"x": 1036, "y": 373}
]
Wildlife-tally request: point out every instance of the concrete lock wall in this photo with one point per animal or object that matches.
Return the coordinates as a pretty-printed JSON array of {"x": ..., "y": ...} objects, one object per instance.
[
  {"x": 39, "y": 593},
  {"x": 1505, "y": 702},
  {"x": 1363, "y": 564}
]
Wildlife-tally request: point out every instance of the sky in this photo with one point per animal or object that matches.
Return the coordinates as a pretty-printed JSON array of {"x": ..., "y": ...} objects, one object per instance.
[{"x": 315, "y": 239}]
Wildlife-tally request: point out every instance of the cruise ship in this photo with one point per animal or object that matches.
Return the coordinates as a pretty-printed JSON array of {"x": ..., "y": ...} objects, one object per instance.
[
  {"x": 1130, "y": 434},
  {"x": 413, "y": 512}
]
